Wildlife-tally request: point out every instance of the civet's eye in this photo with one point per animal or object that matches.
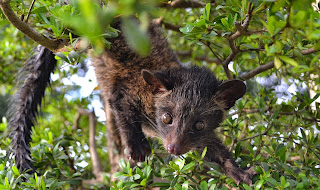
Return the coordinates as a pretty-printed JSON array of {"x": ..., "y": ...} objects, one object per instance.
[
  {"x": 166, "y": 118},
  {"x": 199, "y": 126}
]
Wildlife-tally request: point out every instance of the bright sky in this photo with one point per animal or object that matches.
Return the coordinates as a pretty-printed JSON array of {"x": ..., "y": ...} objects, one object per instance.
[{"x": 87, "y": 83}]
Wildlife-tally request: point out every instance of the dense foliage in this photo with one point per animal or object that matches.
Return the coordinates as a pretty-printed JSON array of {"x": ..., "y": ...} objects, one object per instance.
[{"x": 271, "y": 44}]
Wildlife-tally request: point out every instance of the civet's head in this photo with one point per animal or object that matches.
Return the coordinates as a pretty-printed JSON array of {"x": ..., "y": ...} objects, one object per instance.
[{"x": 190, "y": 103}]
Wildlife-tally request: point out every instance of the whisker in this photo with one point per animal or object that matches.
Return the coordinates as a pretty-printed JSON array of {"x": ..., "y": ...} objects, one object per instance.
[{"x": 152, "y": 124}]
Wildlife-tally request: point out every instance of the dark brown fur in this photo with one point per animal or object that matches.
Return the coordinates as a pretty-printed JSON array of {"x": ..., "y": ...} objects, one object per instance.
[
  {"x": 141, "y": 90},
  {"x": 24, "y": 107}
]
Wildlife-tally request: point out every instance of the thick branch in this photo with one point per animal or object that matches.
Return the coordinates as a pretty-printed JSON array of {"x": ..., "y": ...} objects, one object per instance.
[
  {"x": 169, "y": 26},
  {"x": 51, "y": 44},
  {"x": 257, "y": 70},
  {"x": 309, "y": 51},
  {"x": 270, "y": 65}
]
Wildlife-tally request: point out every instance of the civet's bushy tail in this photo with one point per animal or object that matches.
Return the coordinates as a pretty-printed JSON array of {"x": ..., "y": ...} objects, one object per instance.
[{"x": 32, "y": 82}]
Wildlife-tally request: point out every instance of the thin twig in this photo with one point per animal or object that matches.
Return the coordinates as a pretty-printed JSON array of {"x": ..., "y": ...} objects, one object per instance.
[
  {"x": 29, "y": 12},
  {"x": 214, "y": 53},
  {"x": 257, "y": 135},
  {"x": 242, "y": 29}
]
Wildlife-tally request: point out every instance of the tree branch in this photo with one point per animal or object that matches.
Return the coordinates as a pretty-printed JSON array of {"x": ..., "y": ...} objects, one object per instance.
[
  {"x": 96, "y": 163},
  {"x": 76, "y": 122},
  {"x": 259, "y": 134},
  {"x": 257, "y": 70},
  {"x": 309, "y": 51},
  {"x": 52, "y": 44},
  {"x": 167, "y": 26},
  {"x": 70, "y": 160},
  {"x": 242, "y": 29},
  {"x": 188, "y": 54},
  {"x": 173, "y": 27},
  {"x": 29, "y": 12},
  {"x": 213, "y": 52},
  {"x": 184, "y": 4}
]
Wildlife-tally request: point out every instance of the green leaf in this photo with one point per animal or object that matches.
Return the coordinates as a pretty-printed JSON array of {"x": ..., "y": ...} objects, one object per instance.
[
  {"x": 289, "y": 60},
  {"x": 73, "y": 56},
  {"x": 6, "y": 181},
  {"x": 187, "y": 29},
  {"x": 160, "y": 184},
  {"x": 1, "y": 167},
  {"x": 177, "y": 186},
  {"x": 225, "y": 23},
  {"x": 270, "y": 24},
  {"x": 15, "y": 170},
  {"x": 136, "y": 37},
  {"x": 147, "y": 171},
  {"x": 123, "y": 165},
  {"x": 43, "y": 184},
  {"x": 118, "y": 174},
  {"x": 136, "y": 176},
  {"x": 143, "y": 182},
  {"x": 259, "y": 184},
  {"x": 204, "y": 185},
  {"x": 174, "y": 181},
  {"x": 3, "y": 187},
  {"x": 246, "y": 187},
  {"x": 304, "y": 136},
  {"x": 41, "y": 9},
  {"x": 181, "y": 164},
  {"x": 213, "y": 187},
  {"x": 237, "y": 150},
  {"x": 265, "y": 165},
  {"x": 208, "y": 6},
  {"x": 189, "y": 166},
  {"x": 282, "y": 181},
  {"x": 62, "y": 56},
  {"x": 185, "y": 185},
  {"x": 273, "y": 181},
  {"x": 204, "y": 152},
  {"x": 277, "y": 62},
  {"x": 301, "y": 69}
]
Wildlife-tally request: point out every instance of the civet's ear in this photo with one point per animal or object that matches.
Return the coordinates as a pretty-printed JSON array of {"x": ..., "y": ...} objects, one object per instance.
[
  {"x": 158, "y": 81},
  {"x": 229, "y": 92}
]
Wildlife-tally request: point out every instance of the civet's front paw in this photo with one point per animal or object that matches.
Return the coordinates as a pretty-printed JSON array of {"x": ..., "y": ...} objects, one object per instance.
[
  {"x": 138, "y": 149},
  {"x": 241, "y": 175}
]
